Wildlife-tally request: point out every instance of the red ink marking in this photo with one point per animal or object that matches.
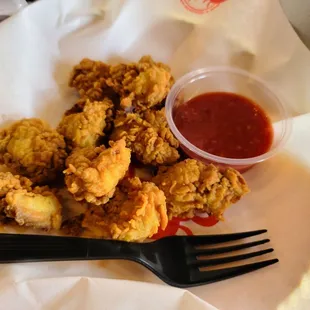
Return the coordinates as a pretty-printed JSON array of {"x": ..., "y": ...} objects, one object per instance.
[
  {"x": 171, "y": 229},
  {"x": 205, "y": 221},
  {"x": 186, "y": 230},
  {"x": 215, "y": 1},
  {"x": 201, "y": 6},
  {"x": 175, "y": 224}
]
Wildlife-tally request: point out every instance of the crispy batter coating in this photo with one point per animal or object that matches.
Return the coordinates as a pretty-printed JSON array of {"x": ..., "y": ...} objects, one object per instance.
[
  {"x": 93, "y": 173},
  {"x": 191, "y": 186},
  {"x": 89, "y": 78},
  {"x": 141, "y": 85},
  {"x": 38, "y": 209},
  {"x": 134, "y": 214},
  {"x": 31, "y": 148},
  {"x": 85, "y": 128},
  {"x": 148, "y": 136},
  {"x": 9, "y": 182}
]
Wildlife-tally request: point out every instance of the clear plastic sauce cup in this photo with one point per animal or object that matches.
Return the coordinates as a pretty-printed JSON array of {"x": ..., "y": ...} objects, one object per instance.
[{"x": 232, "y": 80}]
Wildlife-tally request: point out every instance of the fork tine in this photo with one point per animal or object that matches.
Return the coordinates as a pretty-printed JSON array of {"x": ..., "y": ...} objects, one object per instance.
[
  {"x": 198, "y": 252},
  {"x": 230, "y": 259},
  {"x": 204, "y": 277},
  {"x": 213, "y": 239}
]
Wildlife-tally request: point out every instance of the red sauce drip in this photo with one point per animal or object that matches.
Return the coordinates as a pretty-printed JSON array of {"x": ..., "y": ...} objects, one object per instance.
[{"x": 225, "y": 124}]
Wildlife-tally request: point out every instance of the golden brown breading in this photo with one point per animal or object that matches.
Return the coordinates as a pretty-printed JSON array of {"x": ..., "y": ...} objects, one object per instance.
[
  {"x": 93, "y": 173},
  {"x": 39, "y": 209},
  {"x": 134, "y": 214},
  {"x": 36, "y": 207},
  {"x": 31, "y": 148},
  {"x": 85, "y": 128},
  {"x": 9, "y": 182},
  {"x": 141, "y": 85},
  {"x": 191, "y": 186},
  {"x": 158, "y": 121},
  {"x": 89, "y": 78},
  {"x": 148, "y": 136}
]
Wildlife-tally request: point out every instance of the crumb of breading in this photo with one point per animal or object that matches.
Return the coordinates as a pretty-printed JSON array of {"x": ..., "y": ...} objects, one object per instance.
[{"x": 73, "y": 226}]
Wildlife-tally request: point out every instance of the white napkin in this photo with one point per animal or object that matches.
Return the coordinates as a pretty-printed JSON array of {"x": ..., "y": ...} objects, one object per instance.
[
  {"x": 42, "y": 43},
  {"x": 9, "y": 7},
  {"x": 77, "y": 293}
]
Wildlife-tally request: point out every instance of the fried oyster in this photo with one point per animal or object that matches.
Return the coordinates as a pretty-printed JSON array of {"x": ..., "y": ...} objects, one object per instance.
[
  {"x": 34, "y": 207},
  {"x": 148, "y": 136},
  {"x": 141, "y": 85},
  {"x": 89, "y": 78},
  {"x": 135, "y": 213},
  {"x": 93, "y": 173},
  {"x": 84, "y": 124},
  {"x": 33, "y": 149},
  {"x": 191, "y": 186}
]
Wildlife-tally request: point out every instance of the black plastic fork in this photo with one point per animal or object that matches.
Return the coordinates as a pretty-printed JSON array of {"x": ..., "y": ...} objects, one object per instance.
[{"x": 176, "y": 260}]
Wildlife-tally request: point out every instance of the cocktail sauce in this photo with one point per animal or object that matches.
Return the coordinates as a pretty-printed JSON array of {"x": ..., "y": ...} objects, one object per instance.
[{"x": 225, "y": 124}]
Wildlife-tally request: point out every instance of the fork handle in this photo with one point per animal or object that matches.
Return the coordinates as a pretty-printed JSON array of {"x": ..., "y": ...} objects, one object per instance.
[{"x": 35, "y": 248}]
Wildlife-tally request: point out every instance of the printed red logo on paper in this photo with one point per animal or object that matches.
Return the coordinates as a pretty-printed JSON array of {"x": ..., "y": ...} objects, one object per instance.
[
  {"x": 201, "y": 6},
  {"x": 178, "y": 224}
]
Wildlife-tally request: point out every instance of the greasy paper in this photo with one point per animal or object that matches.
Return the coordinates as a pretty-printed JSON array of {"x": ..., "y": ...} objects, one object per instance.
[{"x": 38, "y": 51}]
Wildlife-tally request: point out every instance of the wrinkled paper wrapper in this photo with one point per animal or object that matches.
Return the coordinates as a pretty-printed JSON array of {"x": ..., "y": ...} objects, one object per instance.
[
  {"x": 79, "y": 293},
  {"x": 42, "y": 43}
]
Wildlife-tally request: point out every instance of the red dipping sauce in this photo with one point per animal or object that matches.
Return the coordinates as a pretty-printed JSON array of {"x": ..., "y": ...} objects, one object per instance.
[{"x": 225, "y": 124}]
